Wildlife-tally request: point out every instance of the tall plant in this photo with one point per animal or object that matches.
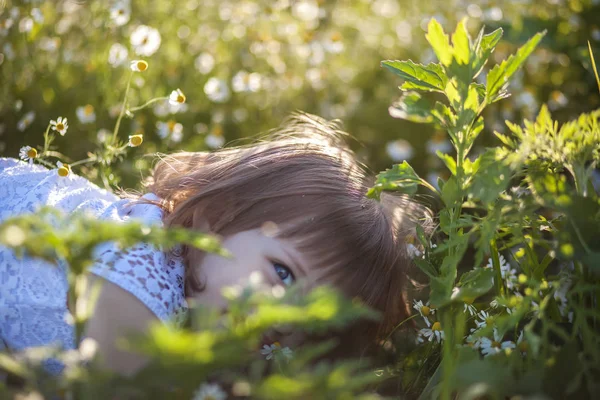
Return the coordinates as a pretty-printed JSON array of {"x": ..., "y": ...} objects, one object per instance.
[{"x": 529, "y": 207}]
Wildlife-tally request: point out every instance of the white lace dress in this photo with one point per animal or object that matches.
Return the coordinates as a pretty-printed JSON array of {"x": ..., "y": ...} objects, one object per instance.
[{"x": 33, "y": 302}]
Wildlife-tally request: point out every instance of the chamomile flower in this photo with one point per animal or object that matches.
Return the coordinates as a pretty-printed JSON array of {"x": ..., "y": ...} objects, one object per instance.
[
  {"x": 117, "y": 54},
  {"x": 474, "y": 341},
  {"x": 177, "y": 97},
  {"x": 269, "y": 351},
  {"x": 215, "y": 138},
  {"x": 470, "y": 308},
  {"x": 28, "y": 153},
  {"x": 217, "y": 90},
  {"x": 435, "y": 333},
  {"x": 64, "y": 170},
  {"x": 209, "y": 392},
  {"x": 60, "y": 125},
  {"x": 495, "y": 346},
  {"x": 26, "y": 121},
  {"x": 169, "y": 128},
  {"x": 413, "y": 251},
  {"x": 145, "y": 40},
  {"x": 120, "y": 12},
  {"x": 483, "y": 320},
  {"x": 86, "y": 114},
  {"x": 135, "y": 140},
  {"x": 425, "y": 310},
  {"x": 138, "y": 65}
]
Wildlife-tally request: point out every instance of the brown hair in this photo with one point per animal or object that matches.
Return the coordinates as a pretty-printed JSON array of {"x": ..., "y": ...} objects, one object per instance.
[{"x": 305, "y": 180}]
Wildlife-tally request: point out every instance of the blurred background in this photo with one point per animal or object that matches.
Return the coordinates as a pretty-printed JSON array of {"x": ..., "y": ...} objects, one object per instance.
[{"x": 245, "y": 65}]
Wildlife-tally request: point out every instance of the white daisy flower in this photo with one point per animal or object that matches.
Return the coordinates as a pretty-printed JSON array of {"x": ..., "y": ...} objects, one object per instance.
[
  {"x": 209, "y": 392},
  {"x": 120, "y": 12},
  {"x": 138, "y": 65},
  {"x": 60, "y": 125},
  {"x": 270, "y": 351},
  {"x": 177, "y": 97},
  {"x": 26, "y": 121},
  {"x": 425, "y": 310},
  {"x": 27, "y": 153},
  {"x": 399, "y": 150},
  {"x": 470, "y": 308},
  {"x": 474, "y": 341},
  {"x": 86, "y": 114},
  {"x": 64, "y": 170},
  {"x": 413, "y": 251},
  {"x": 217, "y": 90},
  {"x": 204, "y": 63},
  {"x": 166, "y": 129},
  {"x": 135, "y": 140},
  {"x": 334, "y": 43},
  {"x": 483, "y": 319},
  {"x": 214, "y": 140},
  {"x": 495, "y": 346},
  {"x": 435, "y": 333},
  {"x": 145, "y": 40},
  {"x": 243, "y": 81},
  {"x": 117, "y": 55}
]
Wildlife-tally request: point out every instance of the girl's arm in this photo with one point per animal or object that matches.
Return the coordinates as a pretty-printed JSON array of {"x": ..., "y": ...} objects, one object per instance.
[{"x": 117, "y": 313}]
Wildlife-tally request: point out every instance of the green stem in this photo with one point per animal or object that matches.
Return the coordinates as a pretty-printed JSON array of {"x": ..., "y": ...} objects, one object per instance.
[
  {"x": 46, "y": 140},
  {"x": 134, "y": 109},
  {"x": 123, "y": 106},
  {"x": 496, "y": 266},
  {"x": 84, "y": 161}
]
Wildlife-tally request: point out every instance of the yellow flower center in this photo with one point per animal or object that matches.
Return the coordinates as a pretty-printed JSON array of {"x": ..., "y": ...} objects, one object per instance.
[
  {"x": 336, "y": 37},
  {"x": 436, "y": 327},
  {"x": 425, "y": 311},
  {"x": 469, "y": 300},
  {"x": 142, "y": 65},
  {"x": 489, "y": 321},
  {"x": 64, "y": 170},
  {"x": 171, "y": 124},
  {"x": 32, "y": 153},
  {"x": 496, "y": 344},
  {"x": 277, "y": 344},
  {"x": 180, "y": 98},
  {"x": 89, "y": 109},
  {"x": 60, "y": 126},
  {"x": 136, "y": 140}
]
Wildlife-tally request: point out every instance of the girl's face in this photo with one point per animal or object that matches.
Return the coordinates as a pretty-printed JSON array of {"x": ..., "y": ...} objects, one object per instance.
[{"x": 255, "y": 254}]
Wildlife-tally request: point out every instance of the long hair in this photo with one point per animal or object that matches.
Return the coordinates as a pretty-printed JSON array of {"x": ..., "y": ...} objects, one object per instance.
[{"x": 304, "y": 179}]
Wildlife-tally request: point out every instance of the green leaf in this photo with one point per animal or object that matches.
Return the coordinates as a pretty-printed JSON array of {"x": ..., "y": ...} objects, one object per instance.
[
  {"x": 492, "y": 177},
  {"x": 448, "y": 160},
  {"x": 451, "y": 192},
  {"x": 412, "y": 107},
  {"x": 430, "y": 77},
  {"x": 473, "y": 284},
  {"x": 444, "y": 115},
  {"x": 483, "y": 48},
  {"x": 440, "y": 42},
  {"x": 461, "y": 44},
  {"x": 501, "y": 73},
  {"x": 401, "y": 178}
]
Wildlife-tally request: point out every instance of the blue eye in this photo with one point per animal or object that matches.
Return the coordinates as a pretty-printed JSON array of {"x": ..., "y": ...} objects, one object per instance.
[{"x": 284, "y": 273}]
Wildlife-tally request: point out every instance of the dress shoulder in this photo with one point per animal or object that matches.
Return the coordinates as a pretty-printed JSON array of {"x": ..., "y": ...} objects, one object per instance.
[{"x": 154, "y": 276}]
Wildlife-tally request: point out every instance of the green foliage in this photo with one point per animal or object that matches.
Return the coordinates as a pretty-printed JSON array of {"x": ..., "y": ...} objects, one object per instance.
[{"x": 537, "y": 320}]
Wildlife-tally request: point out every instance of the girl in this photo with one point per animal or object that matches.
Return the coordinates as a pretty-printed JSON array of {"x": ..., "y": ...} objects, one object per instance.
[{"x": 291, "y": 207}]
